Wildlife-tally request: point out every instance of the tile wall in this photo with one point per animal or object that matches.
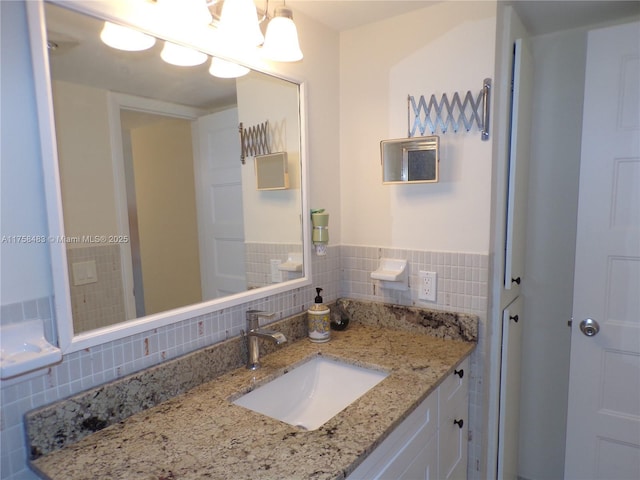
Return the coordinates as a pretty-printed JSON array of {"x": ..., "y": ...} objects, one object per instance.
[
  {"x": 343, "y": 272},
  {"x": 98, "y": 304},
  {"x": 258, "y": 258}
]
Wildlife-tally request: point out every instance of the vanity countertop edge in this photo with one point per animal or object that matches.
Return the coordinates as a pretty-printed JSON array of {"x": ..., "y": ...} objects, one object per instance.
[{"x": 201, "y": 434}]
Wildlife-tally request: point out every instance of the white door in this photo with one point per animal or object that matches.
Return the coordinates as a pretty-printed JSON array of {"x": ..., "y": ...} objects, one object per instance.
[
  {"x": 219, "y": 203},
  {"x": 603, "y": 425}
]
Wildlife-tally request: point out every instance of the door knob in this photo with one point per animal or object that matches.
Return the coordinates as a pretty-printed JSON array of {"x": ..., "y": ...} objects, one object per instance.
[{"x": 589, "y": 327}]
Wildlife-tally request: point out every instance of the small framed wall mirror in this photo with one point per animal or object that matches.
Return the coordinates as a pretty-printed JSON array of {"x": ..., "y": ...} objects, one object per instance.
[
  {"x": 410, "y": 160},
  {"x": 272, "y": 171}
]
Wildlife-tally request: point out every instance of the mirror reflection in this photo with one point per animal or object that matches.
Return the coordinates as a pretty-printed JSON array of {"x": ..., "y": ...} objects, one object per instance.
[{"x": 159, "y": 211}]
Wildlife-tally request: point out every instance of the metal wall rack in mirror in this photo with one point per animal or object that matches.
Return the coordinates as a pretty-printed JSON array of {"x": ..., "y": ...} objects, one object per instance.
[{"x": 254, "y": 140}]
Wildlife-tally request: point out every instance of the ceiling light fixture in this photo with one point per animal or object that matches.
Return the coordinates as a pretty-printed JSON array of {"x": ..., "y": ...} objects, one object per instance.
[
  {"x": 186, "y": 12},
  {"x": 182, "y": 56},
  {"x": 239, "y": 24},
  {"x": 224, "y": 69},
  {"x": 124, "y": 38},
  {"x": 281, "y": 43},
  {"x": 238, "y": 31}
]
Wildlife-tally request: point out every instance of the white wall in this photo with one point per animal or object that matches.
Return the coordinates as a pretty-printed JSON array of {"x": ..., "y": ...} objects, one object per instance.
[
  {"x": 271, "y": 216},
  {"x": 559, "y": 61},
  {"x": 444, "y": 48},
  {"x": 25, "y": 273},
  {"x": 85, "y": 159}
]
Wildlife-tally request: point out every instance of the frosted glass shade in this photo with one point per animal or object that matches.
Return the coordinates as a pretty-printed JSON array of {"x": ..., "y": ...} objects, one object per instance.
[
  {"x": 186, "y": 12},
  {"x": 182, "y": 56},
  {"x": 124, "y": 38},
  {"x": 281, "y": 43},
  {"x": 223, "y": 69},
  {"x": 239, "y": 23}
]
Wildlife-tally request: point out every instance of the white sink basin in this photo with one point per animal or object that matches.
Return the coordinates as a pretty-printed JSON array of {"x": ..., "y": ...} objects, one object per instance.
[{"x": 311, "y": 394}]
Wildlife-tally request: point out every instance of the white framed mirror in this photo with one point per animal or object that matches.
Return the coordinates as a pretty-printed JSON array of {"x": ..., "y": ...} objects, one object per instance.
[{"x": 149, "y": 208}]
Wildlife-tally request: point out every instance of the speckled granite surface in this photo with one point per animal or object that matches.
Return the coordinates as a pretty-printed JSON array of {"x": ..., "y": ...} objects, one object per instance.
[
  {"x": 450, "y": 325},
  {"x": 200, "y": 434}
]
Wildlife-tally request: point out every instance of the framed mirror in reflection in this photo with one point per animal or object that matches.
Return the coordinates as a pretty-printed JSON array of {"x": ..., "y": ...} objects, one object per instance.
[{"x": 159, "y": 213}]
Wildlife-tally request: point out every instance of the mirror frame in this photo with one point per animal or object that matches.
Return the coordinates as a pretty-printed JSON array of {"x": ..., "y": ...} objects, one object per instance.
[{"x": 138, "y": 15}]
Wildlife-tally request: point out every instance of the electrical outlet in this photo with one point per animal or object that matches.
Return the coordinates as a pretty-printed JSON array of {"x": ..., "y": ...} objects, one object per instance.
[{"x": 427, "y": 286}]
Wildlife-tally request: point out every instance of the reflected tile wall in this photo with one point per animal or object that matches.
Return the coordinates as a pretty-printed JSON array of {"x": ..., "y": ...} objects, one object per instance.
[
  {"x": 99, "y": 304},
  {"x": 258, "y": 257}
]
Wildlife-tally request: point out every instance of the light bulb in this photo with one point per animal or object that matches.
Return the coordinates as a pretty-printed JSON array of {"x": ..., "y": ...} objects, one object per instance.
[
  {"x": 182, "y": 56},
  {"x": 125, "y": 38},
  {"x": 186, "y": 12},
  {"x": 224, "y": 69}
]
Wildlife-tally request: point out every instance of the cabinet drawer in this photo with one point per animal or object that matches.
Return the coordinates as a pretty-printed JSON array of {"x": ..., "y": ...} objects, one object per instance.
[
  {"x": 455, "y": 384},
  {"x": 399, "y": 448}
]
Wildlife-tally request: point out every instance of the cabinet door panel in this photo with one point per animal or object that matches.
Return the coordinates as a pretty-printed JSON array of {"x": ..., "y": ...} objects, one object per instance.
[
  {"x": 421, "y": 424},
  {"x": 453, "y": 437},
  {"x": 425, "y": 465},
  {"x": 509, "y": 418},
  {"x": 522, "y": 100}
]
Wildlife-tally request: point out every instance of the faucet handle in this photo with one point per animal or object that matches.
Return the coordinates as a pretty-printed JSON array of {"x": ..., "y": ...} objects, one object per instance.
[{"x": 254, "y": 315}]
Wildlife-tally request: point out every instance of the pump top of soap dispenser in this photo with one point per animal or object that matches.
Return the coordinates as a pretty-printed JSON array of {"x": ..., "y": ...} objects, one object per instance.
[{"x": 318, "y": 301}]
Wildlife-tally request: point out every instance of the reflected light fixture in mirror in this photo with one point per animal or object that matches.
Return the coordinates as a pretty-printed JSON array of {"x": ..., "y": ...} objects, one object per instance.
[
  {"x": 124, "y": 38},
  {"x": 281, "y": 43},
  {"x": 223, "y": 69},
  {"x": 182, "y": 56},
  {"x": 185, "y": 12}
]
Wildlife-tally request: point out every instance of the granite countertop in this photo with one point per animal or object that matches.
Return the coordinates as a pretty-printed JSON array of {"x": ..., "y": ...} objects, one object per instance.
[{"x": 201, "y": 434}]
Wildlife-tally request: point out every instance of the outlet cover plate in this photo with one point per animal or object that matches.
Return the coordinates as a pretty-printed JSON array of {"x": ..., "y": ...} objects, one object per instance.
[{"x": 427, "y": 286}]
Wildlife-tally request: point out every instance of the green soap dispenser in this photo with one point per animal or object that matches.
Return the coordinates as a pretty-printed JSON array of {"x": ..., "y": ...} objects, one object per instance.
[{"x": 319, "y": 319}]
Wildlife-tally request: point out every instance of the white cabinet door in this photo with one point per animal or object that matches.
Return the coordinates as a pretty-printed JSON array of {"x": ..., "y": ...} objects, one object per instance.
[
  {"x": 425, "y": 464},
  {"x": 510, "y": 390},
  {"x": 453, "y": 426},
  {"x": 399, "y": 450},
  {"x": 518, "y": 165}
]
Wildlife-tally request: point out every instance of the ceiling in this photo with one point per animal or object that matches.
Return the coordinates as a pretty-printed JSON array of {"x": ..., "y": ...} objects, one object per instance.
[
  {"x": 539, "y": 16},
  {"x": 83, "y": 59}
]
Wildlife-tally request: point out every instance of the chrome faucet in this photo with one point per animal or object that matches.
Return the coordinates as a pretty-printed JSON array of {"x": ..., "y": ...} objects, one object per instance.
[{"x": 254, "y": 332}]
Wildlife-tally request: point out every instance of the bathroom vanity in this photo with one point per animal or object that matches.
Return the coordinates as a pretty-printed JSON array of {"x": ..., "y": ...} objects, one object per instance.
[{"x": 202, "y": 434}]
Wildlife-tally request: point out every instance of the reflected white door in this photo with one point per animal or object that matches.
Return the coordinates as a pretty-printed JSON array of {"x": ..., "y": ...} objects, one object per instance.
[
  {"x": 219, "y": 202},
  {"x": 603, "y": 425}
]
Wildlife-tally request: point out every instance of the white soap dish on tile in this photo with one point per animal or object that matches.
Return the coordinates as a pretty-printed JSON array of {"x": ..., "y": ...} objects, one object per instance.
[
  {"x": 23, "y": 349},
  {"x": 293, "y": 263},
  {"x": 392, "y": 273}
]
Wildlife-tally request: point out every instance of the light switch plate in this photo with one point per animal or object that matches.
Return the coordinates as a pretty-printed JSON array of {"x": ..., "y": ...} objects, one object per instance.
[
  {"x": 276, "y": 273},
  {"x": 84, "y": 272}
]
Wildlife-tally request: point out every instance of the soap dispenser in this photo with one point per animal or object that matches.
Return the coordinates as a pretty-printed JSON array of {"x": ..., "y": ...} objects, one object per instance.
[{"x": 319, "y": 320}]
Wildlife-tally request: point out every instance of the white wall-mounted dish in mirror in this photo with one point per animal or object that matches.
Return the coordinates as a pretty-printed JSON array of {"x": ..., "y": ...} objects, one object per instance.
[
  {"x": 126, "y": 106},
  {"x": 272, "y": 171},
  {"x": 410, "y": 160}
]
